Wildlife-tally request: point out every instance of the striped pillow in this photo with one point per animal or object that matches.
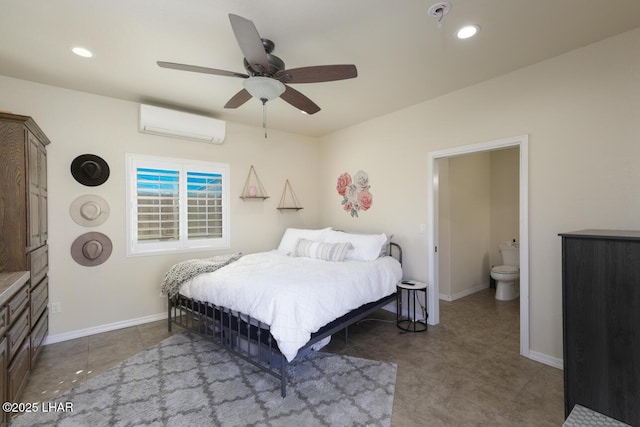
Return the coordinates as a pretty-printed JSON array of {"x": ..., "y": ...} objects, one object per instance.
[{"x": 319, "y": 250}]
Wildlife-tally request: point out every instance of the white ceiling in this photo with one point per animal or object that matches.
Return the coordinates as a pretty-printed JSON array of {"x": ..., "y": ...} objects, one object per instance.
[{"x": 401, "y": 55}]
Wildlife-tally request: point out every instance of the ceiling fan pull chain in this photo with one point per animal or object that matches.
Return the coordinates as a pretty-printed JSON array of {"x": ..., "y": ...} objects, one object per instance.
[{"x": 264, "y": 116}]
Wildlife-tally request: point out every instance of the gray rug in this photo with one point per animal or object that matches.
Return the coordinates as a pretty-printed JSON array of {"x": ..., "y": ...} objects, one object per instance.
[{"x": 187, "y": 381}]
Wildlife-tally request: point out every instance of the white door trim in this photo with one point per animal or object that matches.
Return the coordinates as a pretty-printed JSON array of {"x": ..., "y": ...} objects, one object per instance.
[{"x": 521, "y": 141}]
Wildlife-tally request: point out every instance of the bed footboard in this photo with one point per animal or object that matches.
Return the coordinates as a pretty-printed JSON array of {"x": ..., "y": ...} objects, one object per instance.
[
  {"x": 250, "y": 339},
  {"x": 237, "y": 333}
]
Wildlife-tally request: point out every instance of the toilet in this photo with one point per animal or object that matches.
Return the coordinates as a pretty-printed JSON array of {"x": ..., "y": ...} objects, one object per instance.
[{"x": 507, "y": 275}]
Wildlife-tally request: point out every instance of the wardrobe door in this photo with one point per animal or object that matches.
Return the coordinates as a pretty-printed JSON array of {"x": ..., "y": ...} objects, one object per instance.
[
  {"x": 33, "y": 208},
  {"x": 42, "y": 201}
]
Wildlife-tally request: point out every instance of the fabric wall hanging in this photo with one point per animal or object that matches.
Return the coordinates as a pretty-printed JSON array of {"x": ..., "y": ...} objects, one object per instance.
[
  {"x": 89, "y": 210},
  {"x": 91, "y": 249},
  {"x": 355, "y": 192},
  {"x": 90, "y": 170}
]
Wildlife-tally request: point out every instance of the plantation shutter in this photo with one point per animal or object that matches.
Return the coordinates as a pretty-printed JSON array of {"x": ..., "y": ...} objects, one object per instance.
[
  {"x": 158, "y": 201},
  {"x": 176, "y": 205},
  {"x": 204, "y": 205}
]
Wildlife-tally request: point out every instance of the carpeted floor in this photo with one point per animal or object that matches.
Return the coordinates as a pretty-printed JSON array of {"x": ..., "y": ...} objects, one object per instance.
[{"x": 186, "y": 381}]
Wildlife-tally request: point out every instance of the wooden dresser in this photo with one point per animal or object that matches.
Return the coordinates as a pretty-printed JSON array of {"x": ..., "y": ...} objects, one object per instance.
[
  {"x": 23, "y": 239},
  {"x": 601, "y": 322},
  {"x": 15, "y": 343}
]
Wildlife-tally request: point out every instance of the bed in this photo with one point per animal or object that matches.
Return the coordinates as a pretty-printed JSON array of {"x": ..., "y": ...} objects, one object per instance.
[{"x": 272, "y": 307}]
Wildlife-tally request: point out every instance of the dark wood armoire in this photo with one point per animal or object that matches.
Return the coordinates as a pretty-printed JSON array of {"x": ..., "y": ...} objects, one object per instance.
[{"x": 601, "y": 322}]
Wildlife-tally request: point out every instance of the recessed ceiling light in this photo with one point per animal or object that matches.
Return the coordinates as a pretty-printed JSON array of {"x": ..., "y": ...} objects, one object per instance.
[
  {"x": 468, "y": 31},
  {"x": 80, "y": 51}
]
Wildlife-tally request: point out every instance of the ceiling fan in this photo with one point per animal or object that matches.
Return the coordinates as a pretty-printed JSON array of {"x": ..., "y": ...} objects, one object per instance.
[{"x": 266, "y": 77}]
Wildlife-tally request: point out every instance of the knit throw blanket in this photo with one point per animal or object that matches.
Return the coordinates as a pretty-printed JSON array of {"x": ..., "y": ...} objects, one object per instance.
[{"x": 185, "y": 270}]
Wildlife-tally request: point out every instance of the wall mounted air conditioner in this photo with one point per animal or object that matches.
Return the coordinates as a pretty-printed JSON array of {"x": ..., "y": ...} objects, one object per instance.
[{"x": 160, "y": 121}]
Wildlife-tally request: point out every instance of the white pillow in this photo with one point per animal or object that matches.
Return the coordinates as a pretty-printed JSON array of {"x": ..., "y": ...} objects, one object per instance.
[
  {"x": 386, "y": 248},
  {"x": 319, "y": 250},
  {"x": 366, "y": 247},
  {"x": 292, "y": 235}
]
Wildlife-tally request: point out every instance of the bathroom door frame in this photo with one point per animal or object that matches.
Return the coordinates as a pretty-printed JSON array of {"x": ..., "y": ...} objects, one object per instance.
[{"x": 522, "y": 142}]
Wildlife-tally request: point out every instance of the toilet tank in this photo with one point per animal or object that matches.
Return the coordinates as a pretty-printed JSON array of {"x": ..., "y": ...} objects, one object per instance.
[{"x": 510, "y": 254}]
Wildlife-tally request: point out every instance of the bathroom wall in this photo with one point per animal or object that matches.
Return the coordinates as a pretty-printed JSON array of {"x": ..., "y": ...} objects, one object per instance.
[
  {"x": 470, "y": 198},
  {"x": 505, "y": 208},
  {"x": 444, "y": 229}
]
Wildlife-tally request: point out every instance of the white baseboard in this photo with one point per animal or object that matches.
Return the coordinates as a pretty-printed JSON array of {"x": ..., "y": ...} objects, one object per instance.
[
  {"x": 464, "y": 293},
  {"x": 546, "y": 359},
  {"x": 51, "y": 339}
]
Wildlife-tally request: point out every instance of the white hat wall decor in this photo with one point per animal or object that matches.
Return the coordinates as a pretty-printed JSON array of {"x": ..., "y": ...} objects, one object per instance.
[{"x": 89, "y": 210}]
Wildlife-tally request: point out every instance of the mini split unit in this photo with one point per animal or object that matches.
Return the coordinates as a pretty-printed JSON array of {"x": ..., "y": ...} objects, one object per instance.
[{"x": 177, "y": 124}]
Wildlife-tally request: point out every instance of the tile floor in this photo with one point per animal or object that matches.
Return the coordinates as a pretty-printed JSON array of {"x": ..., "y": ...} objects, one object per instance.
[{"x": 467, "y": 371}]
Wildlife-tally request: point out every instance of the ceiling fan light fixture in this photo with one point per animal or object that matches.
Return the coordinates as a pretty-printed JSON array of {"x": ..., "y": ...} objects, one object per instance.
[
  {"x": 264, "y": 88},
  {"x": 467, "y": 31}
]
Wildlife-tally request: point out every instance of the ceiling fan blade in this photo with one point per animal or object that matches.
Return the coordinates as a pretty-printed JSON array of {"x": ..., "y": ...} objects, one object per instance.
[
  {"x": 300, "y": 101},
  {"x": 238, "y": 99},
  {"x": 197, "y": 69},
  {"x": 250, "y": 43},
  {"x": 319, "y": 73}
]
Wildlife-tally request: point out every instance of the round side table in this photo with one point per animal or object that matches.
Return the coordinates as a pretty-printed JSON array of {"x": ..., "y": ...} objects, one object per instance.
[{"x": 410, "y": 321}]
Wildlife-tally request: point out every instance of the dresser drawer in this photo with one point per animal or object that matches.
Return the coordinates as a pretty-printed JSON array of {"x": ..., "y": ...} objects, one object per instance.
[
  {"x": 38, "y": 333},
  {"x": 39, "y": 264},
  {"x": 17, "y": 333},
  {"x": 18, "y": 372},
  {"x": 39, "y": 299},
  {"x": 17, "y": 303}
]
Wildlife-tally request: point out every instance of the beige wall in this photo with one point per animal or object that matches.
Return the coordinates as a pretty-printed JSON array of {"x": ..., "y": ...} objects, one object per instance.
[
  {"x": 124, "y": 289},
  {"x": 580, "y": 111},
  {"x": 505, "y": 210},
  {"x": 470, "y": 198},
  {"x": 444, "y": 229}
]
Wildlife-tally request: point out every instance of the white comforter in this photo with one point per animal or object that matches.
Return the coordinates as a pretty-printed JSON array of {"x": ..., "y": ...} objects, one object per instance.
[{"x": 296, "y": 296}]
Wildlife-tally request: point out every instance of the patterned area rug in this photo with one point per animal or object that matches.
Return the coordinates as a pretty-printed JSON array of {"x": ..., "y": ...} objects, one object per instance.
[{"x": 188, "y": 381}]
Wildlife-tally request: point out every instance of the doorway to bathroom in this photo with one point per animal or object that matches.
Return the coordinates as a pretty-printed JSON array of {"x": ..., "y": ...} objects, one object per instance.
[{"x": 437, "y": 161}]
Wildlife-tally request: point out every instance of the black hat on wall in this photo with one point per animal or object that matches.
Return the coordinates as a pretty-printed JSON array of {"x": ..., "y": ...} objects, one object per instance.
[{"x": 90, "y": 170}]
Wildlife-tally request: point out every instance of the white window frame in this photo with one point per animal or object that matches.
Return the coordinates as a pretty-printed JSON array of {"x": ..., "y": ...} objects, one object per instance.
[{"x": 183, "y": 244}]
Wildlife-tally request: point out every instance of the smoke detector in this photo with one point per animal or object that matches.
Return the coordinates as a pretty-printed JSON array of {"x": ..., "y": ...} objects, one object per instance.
[{"x": 439, "y": 10}]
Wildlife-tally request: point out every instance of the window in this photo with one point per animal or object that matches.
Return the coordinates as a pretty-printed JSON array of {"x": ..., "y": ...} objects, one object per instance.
[{"x": 176, "y": 205}]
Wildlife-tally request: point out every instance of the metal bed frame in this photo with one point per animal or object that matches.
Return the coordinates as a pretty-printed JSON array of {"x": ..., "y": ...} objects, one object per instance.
[{"x": 250, "y": 339}]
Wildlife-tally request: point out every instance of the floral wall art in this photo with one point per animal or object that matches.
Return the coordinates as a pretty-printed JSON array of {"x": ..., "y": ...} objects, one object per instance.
[{"x": 355, "y": 192}]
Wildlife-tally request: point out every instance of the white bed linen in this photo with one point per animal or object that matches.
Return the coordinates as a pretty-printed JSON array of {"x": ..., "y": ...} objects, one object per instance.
[{"x": 296, "y": 296}]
